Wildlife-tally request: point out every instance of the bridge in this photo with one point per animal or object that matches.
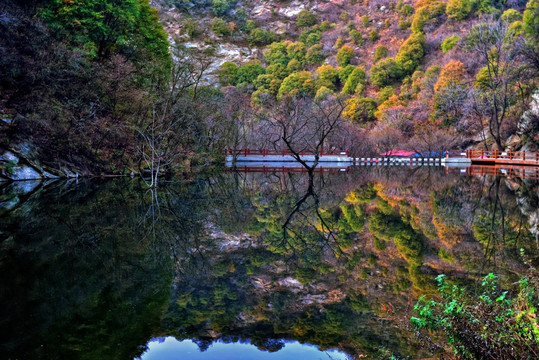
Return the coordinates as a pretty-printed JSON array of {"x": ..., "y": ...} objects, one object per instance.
[
  {"x": 522, "y": 158},
  {"x": 503, "y": 157}
]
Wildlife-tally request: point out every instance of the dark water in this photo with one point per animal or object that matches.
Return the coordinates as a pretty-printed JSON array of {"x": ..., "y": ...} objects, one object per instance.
[{"x": 249, "y": 265}]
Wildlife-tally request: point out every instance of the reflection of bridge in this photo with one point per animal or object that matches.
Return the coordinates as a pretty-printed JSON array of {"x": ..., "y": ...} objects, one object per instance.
[
  {"x": 285, "y": 169},
  {"x": 523, "y": 172},
  {"x": 503, "y": 157}
]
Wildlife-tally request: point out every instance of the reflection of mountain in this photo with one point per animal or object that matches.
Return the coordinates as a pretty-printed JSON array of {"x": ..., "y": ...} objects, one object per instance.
[{"x": 92, "y": 265}]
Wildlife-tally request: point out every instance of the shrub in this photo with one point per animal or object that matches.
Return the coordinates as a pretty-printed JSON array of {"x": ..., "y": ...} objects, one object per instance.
[
  {"x": 427, "y": 13},
  {"x": 296, "y": 50},
  {"x": 324, "y": 26},
  {"x": 531, "y": 18},
  {"x": 261, "y": 37},
  {"x": 249, "y": 26},
  {"x": 509, "y": 16},
  {"x": 360, "y": 110},
  {"x": 248, "y": 73},
  {"x": 458, "y": 9},
  {"x": 365, "y": 21},
  {"x": 327, "y": 72},
  {"x": 356, "y": 77},
  {"x": 299, "y": 83},
  {"x": 312, "y": 39},
  {"x": 305, "y": 18},
  {"x": 452, "y": 73},
  {"x": 373, "y": 35},
  {"x": 356, "y": 35},
  {"x": 338, "y": 43},
  {"x": 344, "y": 55},
  {"x": 411, "y": 53},
  {"x": 276, "y": 53},
  {"x": 449, "y": 43},
  {"x": 380, "y": 52},
  {"x": 191, "y": 28},
  {"x": 228, "y": 73},
  {"x": 221, "y": 7},
  {"x": 314, "y": 55},
  {"x": 220, "y": 27},
  {"x": 493, "y": 325},
  {"x": 384, "y": 94},
  {"x": 344, "y": 72},
  {"x": 344, "y": 16},
  {"x": 293, "y": 66},
  {"x": 385, "y": 72}
]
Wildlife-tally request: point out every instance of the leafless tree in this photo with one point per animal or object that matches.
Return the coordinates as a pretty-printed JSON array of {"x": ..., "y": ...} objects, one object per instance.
[
  {"x": 302, "y": 125},
  {"x": 494, "y": 44}
]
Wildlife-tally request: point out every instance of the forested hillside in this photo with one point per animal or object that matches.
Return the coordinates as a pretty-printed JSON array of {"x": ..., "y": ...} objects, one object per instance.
[{"x": 100, "y": 87}]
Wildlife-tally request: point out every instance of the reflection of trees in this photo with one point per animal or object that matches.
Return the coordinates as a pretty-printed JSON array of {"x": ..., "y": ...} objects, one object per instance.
[{"x": 78, "y": 277}]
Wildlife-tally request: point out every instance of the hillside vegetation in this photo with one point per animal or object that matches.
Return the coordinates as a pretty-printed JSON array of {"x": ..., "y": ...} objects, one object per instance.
[{"x": 102, "y": 87}]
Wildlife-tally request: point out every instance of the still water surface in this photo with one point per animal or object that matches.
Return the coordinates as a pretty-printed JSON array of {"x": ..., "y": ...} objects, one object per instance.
[{"x": 249, "y": 265}]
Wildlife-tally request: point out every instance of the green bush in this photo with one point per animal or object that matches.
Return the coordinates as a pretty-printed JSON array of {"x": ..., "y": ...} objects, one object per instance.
[
  {"x": 385, "y": 72},
  {"x": 228, "y": 73},
  {"x": 299, "y": 83},
  {"x": 360, "y": 110},
  {"x": 449, "y": 43},
  {"x": 365, "y": 21},
  {"x": 344, "y": 55},
  {"x": 356, "y": 77},
  {"x": 261, "y": 37},
  {"x": 373, "y": 35},
  {"x": 509, "y": 16},
  {"x": 380, "y": 53},
  {"x": 458, "y": 9},
  {"x": 356, "y": 35},
  {"x": 248, "y": 73},
  {"x": 411, "y": 53},
  {"x": 220, "y": 27},
  {"x": 305, "y": 18},
  {"x": 314, "y": 55},
  {"x": 493, "y": 325}
]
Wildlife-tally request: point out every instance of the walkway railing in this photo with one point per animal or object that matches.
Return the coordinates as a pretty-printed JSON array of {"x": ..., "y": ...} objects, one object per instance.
[
  {"x": 504, "y": 157},
  {"x": 284, "y": 169},
  {"x": 283, "y": 152}
]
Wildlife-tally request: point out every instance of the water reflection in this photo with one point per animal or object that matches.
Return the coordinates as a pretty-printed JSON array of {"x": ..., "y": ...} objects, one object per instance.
[
  {"x": 337, "y": 260},
  {"x": 169, "y": 347}
]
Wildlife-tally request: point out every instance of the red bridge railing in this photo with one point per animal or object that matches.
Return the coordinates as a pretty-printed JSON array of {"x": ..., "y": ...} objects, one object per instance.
[
  {"x": 267, "y": 152},
  {"x": 504, "y": 157}
]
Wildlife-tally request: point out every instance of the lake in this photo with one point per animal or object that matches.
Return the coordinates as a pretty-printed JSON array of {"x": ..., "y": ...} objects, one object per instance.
[{"x": 251, "y": 265}]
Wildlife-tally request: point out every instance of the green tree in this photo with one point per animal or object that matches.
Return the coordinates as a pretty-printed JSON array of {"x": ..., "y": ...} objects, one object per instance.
[
  {"x": 276, "y": 53},
  {"x": 221, "y": 7},
  {"x": 220, "y": 27},
  {"x": 380, "y": 52},
  {"x": 531, "y": 18},
  {"x": 296, "y": 50},
  {"x": 228, "y": 73},
  {"x": 373, "y": 35},
  {"x": 299, "y": 83},
  {"x": 458, "y": 9},
  {"x": 248, "y": 73},
  {"x": 106, "y": 26},
  {"x": 365, "y": 21},
  {"x": 385, "y": 72},
  {"x": 360, "y": 110},
  {"x": 449, "y": 43},
  {"x": 411, "y": 53},
  {"x": 261, "y": 37},
  {"x": 344, "y": 55},
  {"x": 305, "y": 18},
  {"x": 356, "y": 78},
  {"x": 509, "y": 16}
]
